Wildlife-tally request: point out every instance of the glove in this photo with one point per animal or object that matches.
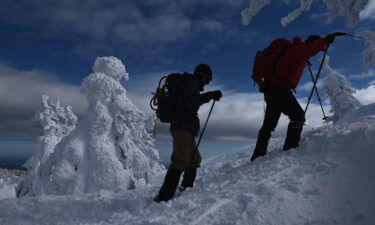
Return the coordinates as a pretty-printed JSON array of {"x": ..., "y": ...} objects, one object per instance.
[
  {"x": 215, "y": 95},
  {"x": 330, "y": 38}
]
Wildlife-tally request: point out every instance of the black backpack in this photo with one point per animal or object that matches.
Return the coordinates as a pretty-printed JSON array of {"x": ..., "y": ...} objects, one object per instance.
[{"x": 164, "y": 100}]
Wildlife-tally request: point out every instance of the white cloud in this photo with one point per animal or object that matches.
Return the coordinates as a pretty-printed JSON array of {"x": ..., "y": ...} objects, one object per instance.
[
  {"x": 164, "y": 28},
  {"x": 368, "y": 12},
  {"x": 115, "y": 21},
  {"x": 21, "y": 93},
  {"x": 366, "y": 95},
  {"x": 320, "y": 17},
  {"x": 210, "y": 25},
  {"x": 307, "y": 86},
  {"x": 236, "y": 117},
  {"x": 363, "y": 76}
]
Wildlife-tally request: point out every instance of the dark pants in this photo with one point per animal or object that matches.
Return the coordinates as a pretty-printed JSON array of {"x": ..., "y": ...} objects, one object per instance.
[
  {"x": 184, "y": 159},
  {"x": 184, "y": 149},
  {"x": 280, "y": 99}
]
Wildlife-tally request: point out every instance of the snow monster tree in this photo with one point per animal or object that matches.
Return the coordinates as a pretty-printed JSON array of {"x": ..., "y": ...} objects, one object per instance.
[
  {"x": 340, "y": 93},
  {"x": 110, "y": 149},
  {"x": 57, "y": 122}
]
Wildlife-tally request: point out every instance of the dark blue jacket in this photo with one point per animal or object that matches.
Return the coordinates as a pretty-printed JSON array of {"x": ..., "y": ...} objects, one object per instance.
[{"x": 187, "y": 105}]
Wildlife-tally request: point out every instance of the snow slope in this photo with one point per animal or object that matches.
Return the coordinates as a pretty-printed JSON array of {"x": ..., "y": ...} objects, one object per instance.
[{"x": 329, "y": 179}]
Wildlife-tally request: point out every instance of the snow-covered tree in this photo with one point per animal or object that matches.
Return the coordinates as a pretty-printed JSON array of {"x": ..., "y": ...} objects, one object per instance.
[
  {"x": 350, "y": 8},
  {"x": 110, "y": 149},
  {"x": 57, "y": 122},
  {"x": 340, "y": 93},
  {"x": 369, "y": 54}
]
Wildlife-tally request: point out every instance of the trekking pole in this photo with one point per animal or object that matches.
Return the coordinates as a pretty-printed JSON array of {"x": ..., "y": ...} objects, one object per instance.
[
  {"x": 346, "y": 34},
  {"x": 201, "y": 135},
  {"x": 317, "y": 93},
  {"x": 316, "y": 79}
]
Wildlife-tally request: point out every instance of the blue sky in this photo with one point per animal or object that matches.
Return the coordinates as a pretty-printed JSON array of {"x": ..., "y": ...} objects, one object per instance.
[{"x": 48, "y": 47}]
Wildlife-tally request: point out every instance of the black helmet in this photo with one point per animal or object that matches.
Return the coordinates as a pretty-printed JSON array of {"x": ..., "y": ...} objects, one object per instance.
[
  {"x": 312, "y": 38},
  {"x": 203, "y": 70}
]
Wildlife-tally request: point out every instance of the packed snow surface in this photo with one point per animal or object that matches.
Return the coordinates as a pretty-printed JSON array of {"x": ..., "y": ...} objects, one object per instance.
[{"x": 329, "y": 179}]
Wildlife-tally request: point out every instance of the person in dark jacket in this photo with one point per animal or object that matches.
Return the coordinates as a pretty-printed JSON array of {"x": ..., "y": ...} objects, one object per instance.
[
  {"x": 279, "y": 96},
  {"x": 184, "y": 128}
]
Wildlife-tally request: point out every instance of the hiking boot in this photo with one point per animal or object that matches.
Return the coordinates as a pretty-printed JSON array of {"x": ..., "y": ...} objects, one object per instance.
[
  {"x": 189, "y": 177},
  {"x": 258, "y": 152},
  {"x": 157, "y": 199},
  {"x": 169, "y": 186},
  {"x": 293, "y": 135}
]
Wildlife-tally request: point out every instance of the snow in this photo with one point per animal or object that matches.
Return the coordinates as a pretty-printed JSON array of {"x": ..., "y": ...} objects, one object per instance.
[
  {"x": 110, "y": 148},
  {"x": 110, "y": 66},
  {"x": 305, "y": 5},
  {"x": 350, "y": 8},
  {"x": 328, "y": 180},
  {"x": 254, "y": 7},
  {"x": 8, "y": 181},
  {"x": 366, "y": 110},
  {"x": 339, "y": 92},
  {"x": 369, "y": 53},
  {"x": 57, "y": 122}
]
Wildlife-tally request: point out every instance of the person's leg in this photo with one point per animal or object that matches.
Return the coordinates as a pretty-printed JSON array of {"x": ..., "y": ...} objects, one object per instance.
[
  {"x": 294, "y": 111},
  {"x": 182, "y": 145},
  {"x": 194, "y": 163},
  {"x": 169, "y": 186},
  {"x": 270, "y": 121},
  {"x": 179, "y": 162}
]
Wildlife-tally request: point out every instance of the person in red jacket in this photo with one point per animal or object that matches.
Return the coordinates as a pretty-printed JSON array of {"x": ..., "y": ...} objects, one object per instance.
[{"x": 279, "y": 96}]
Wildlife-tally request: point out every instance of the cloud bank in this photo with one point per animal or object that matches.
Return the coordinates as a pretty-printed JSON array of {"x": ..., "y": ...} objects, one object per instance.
[
  {"x": 20, "y": 95},
  {"x": 140, "y": 22},
  {"x": 236, "y": 117}
]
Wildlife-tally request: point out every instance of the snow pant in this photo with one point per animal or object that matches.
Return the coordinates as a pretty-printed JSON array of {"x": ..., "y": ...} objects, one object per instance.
[
  {"x": 185, "y": 159},
  {"x": 184, "y": 151},
  {"x": 280, "y": 99}
]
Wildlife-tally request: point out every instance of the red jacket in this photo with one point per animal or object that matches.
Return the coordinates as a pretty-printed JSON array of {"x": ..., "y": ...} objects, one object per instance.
[{"x": 292, "y": 64}]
